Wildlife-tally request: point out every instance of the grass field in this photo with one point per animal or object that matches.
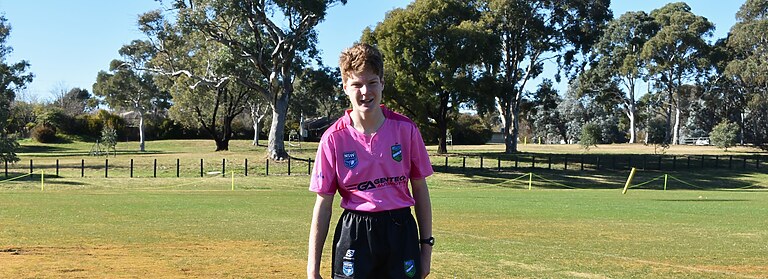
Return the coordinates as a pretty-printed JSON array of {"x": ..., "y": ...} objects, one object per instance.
[{"x": 488, "y": 225}]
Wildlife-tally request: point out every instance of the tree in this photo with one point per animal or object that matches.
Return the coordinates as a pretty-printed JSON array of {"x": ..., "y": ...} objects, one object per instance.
[
  {"x": 131, "y": 90},
  {"x": 528, "y": 34},
  {"x": 273, "y": 37},
  {"x": 619, "y": 66},
  {"x": 547, "y": 119},
  {"x": 746, "y": 69},
  {"x": 318, "y": 93},
  {"x": 676, "y": 55},
  {"x": 74, "y": 101},
  {"x": 590, "y": 136},
  {"x": 429, "y": 49},
  {"x": 199, "y": 73},
  {"x": 13, "y": 77},
  {"x": 724, "y": 135}
]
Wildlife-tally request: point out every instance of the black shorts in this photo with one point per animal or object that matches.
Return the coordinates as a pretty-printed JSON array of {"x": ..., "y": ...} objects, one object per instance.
[{"x": 376, "y": 245}]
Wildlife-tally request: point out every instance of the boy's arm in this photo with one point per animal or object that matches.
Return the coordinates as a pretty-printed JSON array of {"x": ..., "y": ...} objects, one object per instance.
[
  {"x": 424, "y": 217},
  {"x": 321, "y": 218}
]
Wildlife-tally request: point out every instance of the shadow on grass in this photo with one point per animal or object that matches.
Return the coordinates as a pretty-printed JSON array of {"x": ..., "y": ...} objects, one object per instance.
[
  {"x": 701, "y": 200},
  {"x": 710, "y": 179}
]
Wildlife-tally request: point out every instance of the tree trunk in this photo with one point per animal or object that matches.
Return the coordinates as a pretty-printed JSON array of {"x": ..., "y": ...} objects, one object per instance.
[
  {"x": 256, "y": 128},
  {"x": 676, "y": 128},
  {"x": 276, "y": 145},
  {"x": 222, "y": 144},
  {"x": 141, "y": 132},
  {"x": 442, "y": 124}
]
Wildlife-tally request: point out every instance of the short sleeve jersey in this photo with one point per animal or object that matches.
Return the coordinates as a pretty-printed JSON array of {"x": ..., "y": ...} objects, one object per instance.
[{"x": 371, "y": 173}]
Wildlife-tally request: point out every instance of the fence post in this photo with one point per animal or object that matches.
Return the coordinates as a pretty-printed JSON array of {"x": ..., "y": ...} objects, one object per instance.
[
  {"x": 582, "y": 161},
  {"x": 549, "y": 161},
  {"x": 106, "y": 168},
  {"x": 498, "y": 164},
  {"x": 674, "y": 162},
  {"x": 201, "y": 167},
  {"x": 446, "y": 163},
  {"x": 267, "y": 168},
  {"x": 730, "y": 161},
  {"x": 597, "y": 163},
  {"x": 659, "y": 162},
  {"x": 31, "y": 169},
  {"x": 309, "y": 166},
  {"x": 223, "y": 167},
  {"x": 565, "y": 162},
  {"x": 6, "y": 168},
  {"x": 154, "y": 168},
  {"x": 463, "y": 163},
  {"x": 131, "y": 167},
  {"x": 246, "y": 167},
  {"x": 289, "y": 165},
  {"x": 82, "y": 167},
  {"x": 178, "y": 166},
  {"x": 481, "y": 162},
  {"x": 57, "y": 167},
  {"x": 516, "y": 161}
]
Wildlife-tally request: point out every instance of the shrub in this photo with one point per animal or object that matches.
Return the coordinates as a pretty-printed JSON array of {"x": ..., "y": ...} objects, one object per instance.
[
  {"x": 724, "y": 135},
  {"x": 43, "y": 134},
  {"x": 590, "y": 135},
  {"x": 470, "y": 129}
]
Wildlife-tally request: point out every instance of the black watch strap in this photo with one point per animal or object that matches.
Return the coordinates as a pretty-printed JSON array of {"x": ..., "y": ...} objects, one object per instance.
[{"x": 430, "y": 241}]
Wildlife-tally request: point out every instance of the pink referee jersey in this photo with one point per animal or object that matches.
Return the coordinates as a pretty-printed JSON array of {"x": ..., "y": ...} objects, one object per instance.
[{"x": 371, "y": 173}]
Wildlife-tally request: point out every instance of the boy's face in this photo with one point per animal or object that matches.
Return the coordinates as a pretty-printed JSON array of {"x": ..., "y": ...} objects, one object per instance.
[{"x": 364, "y": 91}]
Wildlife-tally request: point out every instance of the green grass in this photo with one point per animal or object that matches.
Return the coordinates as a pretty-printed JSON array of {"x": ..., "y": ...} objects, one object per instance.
[{"x": 487, "y": 224}]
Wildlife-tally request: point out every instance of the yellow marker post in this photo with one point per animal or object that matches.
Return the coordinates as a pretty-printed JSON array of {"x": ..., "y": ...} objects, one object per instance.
[
  {"x": 665, "y": 182},
  {"x": 629, "y": 181},
  {"x": 233, "y": 180},
  {"x": 530, "y": 180},
  {"x": 42, "y": 180}
]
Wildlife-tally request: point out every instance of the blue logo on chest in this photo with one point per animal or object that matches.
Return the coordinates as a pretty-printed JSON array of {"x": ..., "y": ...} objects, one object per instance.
[{"x": 350, "y": 159}]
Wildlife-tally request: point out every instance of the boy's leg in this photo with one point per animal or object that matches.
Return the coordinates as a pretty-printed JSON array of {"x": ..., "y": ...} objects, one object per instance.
[
  {"x": 405, "y": 255},
  {"x": 352, "y": 257}
]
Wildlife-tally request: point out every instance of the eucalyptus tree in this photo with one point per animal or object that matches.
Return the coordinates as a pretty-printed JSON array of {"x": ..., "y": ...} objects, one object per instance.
[
  {"x": 618, "y": 66},
  {"x": 13, "y": 77},
  {"x": 676, "y": 55},
  {"x": 529, "y": 33},
  {"x": 200, "y": 74},
  {"x": 429, "y": 49},
  {"x": 275, "y": 38},
  {"x": 748, "y": 67},
  {"x": 129, "y": 86}
]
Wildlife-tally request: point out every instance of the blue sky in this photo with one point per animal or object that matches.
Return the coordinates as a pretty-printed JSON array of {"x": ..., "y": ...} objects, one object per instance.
[{"x": 68, "y": 42}]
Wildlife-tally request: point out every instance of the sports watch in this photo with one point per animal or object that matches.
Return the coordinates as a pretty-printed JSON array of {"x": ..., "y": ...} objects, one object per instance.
[{"x": 430, "y": 241}]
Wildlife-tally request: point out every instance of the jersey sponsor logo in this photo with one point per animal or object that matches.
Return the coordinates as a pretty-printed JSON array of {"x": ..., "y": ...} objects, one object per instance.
[
  {"x": 348, "y": 268},
  {"x": 410, "y": 268},
  {"x": 378, "y": 183},
  {"x": 350, "y": 159},
  {"x": 397, "y": 152},
  {"x": 365, "y": 186}
]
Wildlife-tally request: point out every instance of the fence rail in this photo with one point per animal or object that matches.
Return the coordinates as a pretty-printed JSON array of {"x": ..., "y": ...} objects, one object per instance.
[{"x": 153, "y": 167}]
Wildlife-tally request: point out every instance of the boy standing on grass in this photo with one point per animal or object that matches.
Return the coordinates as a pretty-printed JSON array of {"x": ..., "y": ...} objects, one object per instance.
[{"x": 368, "y": 156}]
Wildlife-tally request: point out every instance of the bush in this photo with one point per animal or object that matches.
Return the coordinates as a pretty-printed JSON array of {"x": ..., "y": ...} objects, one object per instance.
[
  {"x": 43, "y": 134},
  {"x": 724, "y": 135},
  {"x": 590, "y": 135},
  {"x": 470, "y": 130}
]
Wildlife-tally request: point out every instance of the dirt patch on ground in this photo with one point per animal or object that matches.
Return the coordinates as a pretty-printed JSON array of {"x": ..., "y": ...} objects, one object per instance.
[{"x": 177, "y": 260}]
